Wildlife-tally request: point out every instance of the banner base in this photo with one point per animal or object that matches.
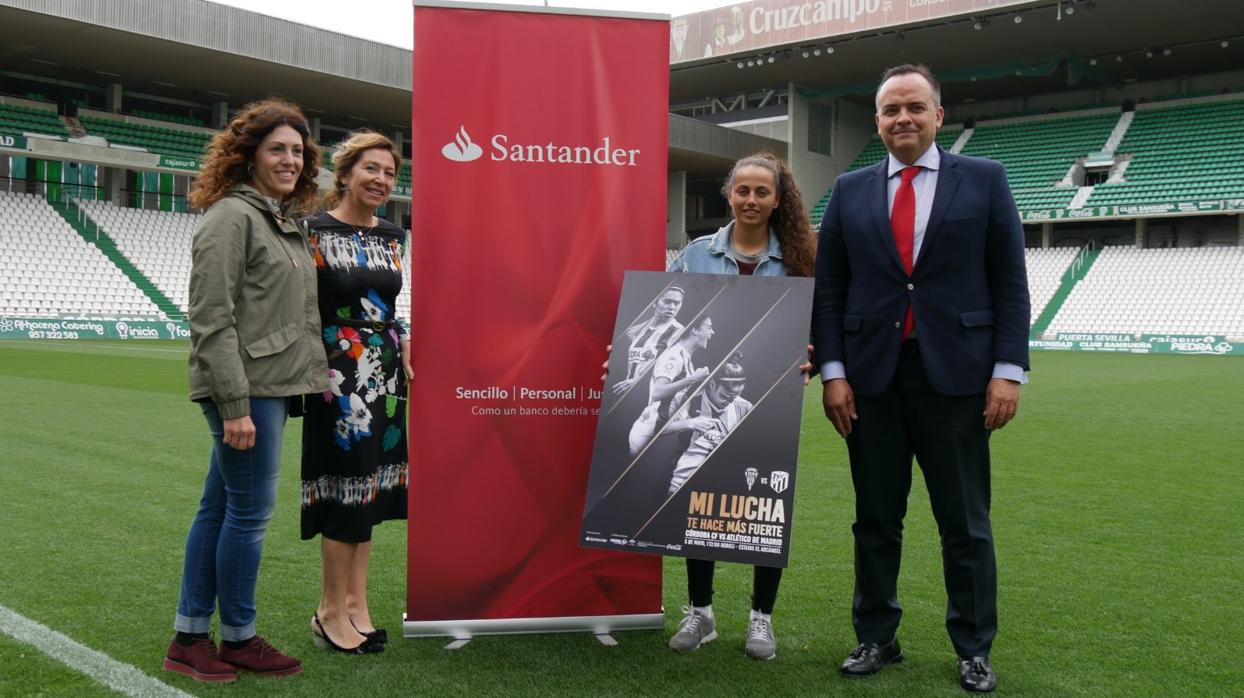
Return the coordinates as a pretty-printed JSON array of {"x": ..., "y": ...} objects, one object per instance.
[{"x": 467, "y": 629}]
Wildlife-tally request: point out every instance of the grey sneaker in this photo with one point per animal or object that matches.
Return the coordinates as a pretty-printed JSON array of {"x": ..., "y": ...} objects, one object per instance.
[
  {"x": 695, "y": 629},
  {"x": 760, "y": 641}
]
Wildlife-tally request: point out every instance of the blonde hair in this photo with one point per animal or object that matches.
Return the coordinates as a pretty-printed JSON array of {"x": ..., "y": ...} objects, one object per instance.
[{"x": 347, "y": 154}]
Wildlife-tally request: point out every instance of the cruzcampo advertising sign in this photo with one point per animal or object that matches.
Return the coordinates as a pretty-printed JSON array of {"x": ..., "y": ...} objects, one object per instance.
[
  {"x": 58, "y": 328},
  {"x": 179, "y": 163},
  {"x": 1214, "y": 345}
]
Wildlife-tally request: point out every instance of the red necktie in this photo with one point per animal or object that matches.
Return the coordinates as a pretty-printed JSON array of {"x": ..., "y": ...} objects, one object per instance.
[{"x": 903, "y": 224}]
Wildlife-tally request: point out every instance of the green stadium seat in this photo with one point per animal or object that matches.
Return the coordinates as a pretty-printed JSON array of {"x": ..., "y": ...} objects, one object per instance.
[
  {"x": 1179, "y": 154},
  {"x": 24, "y": 119},
  {"x": 167, "y": 141}
]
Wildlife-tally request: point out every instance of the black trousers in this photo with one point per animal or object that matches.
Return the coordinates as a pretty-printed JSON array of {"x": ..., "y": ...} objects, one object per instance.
[
  {"x": 765, "y": 581},
  {"x": 948, "y": 438}
]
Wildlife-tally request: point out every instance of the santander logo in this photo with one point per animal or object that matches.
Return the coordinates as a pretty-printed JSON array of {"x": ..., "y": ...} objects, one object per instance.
[
  {"x": 502, "y": 149},
  {"x": 462, "y": 149}
]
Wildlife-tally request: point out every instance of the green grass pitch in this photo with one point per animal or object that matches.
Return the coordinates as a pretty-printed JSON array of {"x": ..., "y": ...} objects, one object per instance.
[{"x": 1118, "y": 513}]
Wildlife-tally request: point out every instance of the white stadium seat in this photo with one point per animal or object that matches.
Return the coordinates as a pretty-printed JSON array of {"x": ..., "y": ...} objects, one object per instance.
[
  {"x": 1155, "y": 291},
  {"x": 44, "y": 249}
]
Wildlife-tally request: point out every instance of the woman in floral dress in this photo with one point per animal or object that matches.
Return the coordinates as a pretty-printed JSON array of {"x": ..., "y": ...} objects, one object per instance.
[{"x": 354, "y": 467}]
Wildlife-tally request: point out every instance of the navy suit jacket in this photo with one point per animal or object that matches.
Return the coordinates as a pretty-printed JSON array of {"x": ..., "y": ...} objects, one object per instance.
[{"x": 968, "y": 290}]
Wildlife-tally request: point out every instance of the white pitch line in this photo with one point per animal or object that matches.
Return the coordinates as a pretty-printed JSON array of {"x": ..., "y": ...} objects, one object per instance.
[{"x": 93, "y": 664}]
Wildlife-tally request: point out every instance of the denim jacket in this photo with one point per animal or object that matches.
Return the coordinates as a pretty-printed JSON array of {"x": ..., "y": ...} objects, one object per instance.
[{"x": 711, "y": 255}]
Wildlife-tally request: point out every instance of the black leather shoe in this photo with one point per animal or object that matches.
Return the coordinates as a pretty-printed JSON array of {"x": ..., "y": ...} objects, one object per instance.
[
  {"x": 976, "y": 676},
  {"x": 869, "y": 657}
]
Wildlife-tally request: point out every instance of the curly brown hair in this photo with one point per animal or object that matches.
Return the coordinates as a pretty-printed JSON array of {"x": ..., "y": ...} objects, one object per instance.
[
  {"x": 789, "y": 219},
  {"x": 229, "y": 155},
  {"x": 348, "y": 152}
]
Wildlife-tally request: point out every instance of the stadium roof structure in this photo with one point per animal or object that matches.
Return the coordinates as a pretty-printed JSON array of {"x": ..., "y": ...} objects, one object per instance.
[
  {"x": 1049, "y": 43},
  {"x": 192, "y": 47},
  {"x": 221, "y": 51},
  {"x": 204, "y": 53}
]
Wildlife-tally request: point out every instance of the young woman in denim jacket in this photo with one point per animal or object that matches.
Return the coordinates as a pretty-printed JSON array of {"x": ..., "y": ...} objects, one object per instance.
[{"x": 769, "y": 236}]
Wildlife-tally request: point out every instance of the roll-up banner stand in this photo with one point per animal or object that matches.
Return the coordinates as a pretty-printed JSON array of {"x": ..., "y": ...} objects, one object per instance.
[{"x": 538, "y": 176}]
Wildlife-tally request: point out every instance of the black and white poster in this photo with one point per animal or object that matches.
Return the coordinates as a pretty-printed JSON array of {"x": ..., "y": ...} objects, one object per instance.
[{"x": 698, "y": 433}]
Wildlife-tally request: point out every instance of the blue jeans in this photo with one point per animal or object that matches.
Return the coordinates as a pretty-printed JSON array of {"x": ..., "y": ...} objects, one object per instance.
[{"x": 226, "y": 538}]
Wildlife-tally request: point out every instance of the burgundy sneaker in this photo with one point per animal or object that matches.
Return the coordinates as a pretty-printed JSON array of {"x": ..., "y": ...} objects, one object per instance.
[
  {"x": 260, "y": 657},
  {"x": 199, "y": 661}
]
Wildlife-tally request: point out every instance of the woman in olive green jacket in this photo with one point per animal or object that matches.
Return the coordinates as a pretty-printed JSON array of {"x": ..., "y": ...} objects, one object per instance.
[{"x": 254, "y": 344}]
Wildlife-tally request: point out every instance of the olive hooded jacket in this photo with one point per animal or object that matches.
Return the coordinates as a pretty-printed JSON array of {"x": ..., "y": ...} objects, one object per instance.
[{"x": 254, "y": 322}]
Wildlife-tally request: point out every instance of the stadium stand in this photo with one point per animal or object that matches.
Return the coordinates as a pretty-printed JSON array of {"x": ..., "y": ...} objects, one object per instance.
[
  {"x": 1198, "y": 290},
  {"x": 157, "y": 242},
  {"x": 1192, "y": 290},
  {"x": 1038, "y": 152},
  {"x": 1046, "y": 268},
  {"x": 49, "y": 270},
  {"x": 156, "y": 139},
  {"x": 1180, "y": 154},
  {"x": 18, "y": 118}
]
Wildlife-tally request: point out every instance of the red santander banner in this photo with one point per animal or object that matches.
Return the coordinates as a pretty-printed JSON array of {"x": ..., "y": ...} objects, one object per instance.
[{"x": 538, "y": 177}]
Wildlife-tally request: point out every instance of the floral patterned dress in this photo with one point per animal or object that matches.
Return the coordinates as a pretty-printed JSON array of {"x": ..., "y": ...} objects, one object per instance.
[{"x": 354, "y": 467}]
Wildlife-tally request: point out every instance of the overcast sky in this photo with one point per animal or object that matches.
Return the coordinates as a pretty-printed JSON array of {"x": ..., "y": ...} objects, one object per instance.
[{"x": 389, "y": 21}]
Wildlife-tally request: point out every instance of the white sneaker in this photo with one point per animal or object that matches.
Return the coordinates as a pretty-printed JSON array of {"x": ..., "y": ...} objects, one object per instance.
[
  {"x": 697, "y": 628},
  {"x": 760, "y": 641}
]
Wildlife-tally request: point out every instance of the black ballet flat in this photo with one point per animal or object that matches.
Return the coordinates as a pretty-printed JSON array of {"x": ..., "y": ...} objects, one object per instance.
[{"x": 324, "y": 642}]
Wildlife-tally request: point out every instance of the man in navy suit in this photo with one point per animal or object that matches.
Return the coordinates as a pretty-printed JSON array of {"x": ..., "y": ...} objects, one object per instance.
[{"x": 920, "y": 323}]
